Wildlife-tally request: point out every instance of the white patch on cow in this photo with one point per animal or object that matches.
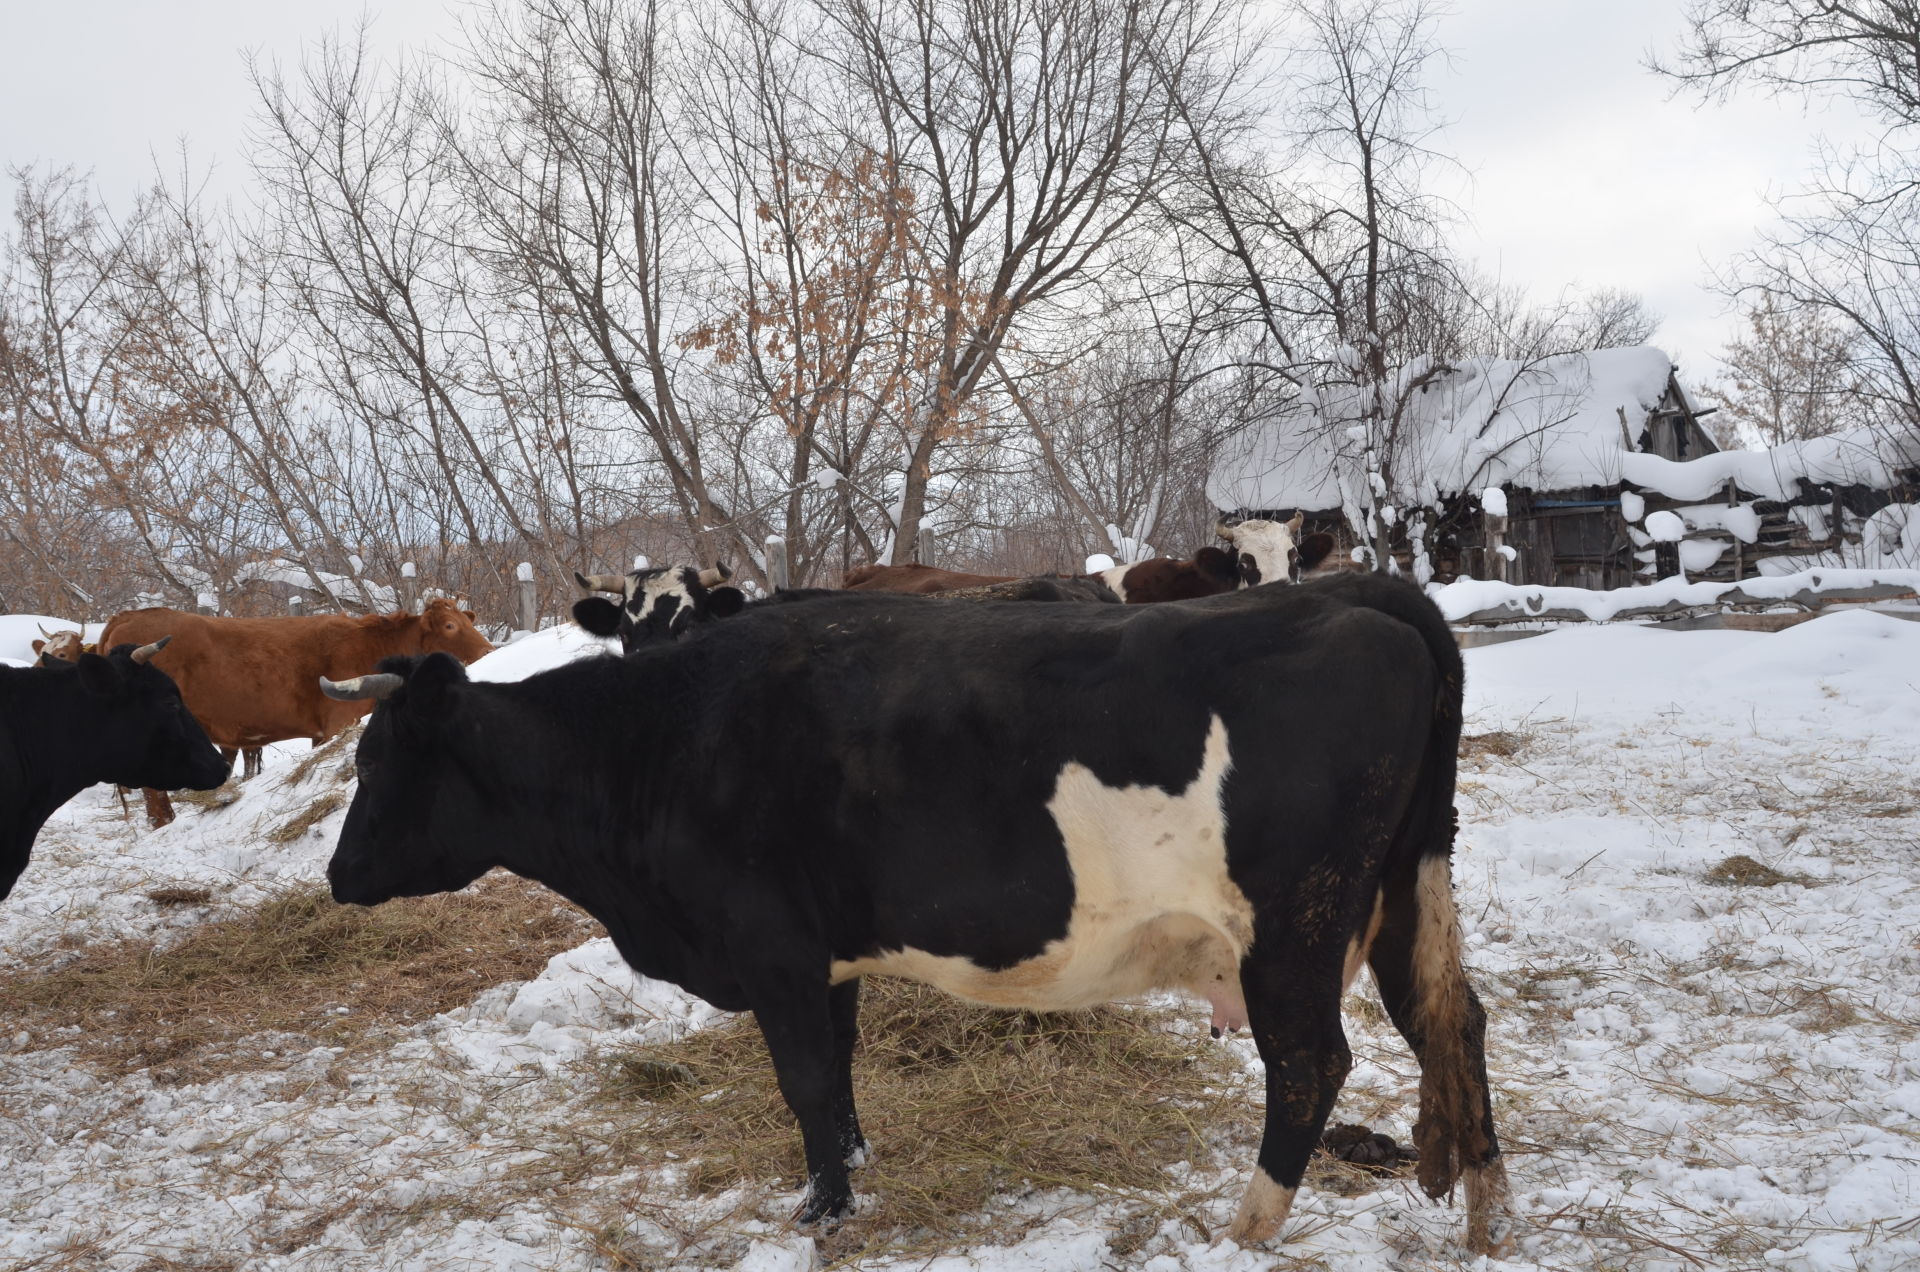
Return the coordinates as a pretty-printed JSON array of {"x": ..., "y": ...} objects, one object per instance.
[
  {"x": 1263, "y": 1210},
  {"x": 1116, "y": 578},
  {"x": 1271, "y": 545},
  {"x": 1153, "y": 905},
  {"x": 657, "y": 587}
]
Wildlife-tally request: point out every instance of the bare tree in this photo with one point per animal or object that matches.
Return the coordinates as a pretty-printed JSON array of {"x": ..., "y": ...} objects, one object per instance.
[{"x": 1845, "y": 249}]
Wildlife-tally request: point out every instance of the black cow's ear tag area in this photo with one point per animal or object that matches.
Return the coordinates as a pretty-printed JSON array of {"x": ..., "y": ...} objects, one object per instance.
[{"x": 598, "y": 615}]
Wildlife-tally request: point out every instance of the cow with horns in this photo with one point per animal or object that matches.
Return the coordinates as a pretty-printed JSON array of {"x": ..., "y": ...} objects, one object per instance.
[
  {"x": 65, "y": 726},
  {"x": 1032, "y": 807}
]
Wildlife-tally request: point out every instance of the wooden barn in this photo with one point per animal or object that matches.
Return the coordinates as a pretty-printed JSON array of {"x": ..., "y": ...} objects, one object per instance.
[{"x": 1554, "y": 471}]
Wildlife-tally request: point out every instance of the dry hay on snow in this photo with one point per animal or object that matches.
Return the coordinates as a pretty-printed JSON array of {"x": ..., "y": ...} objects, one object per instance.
[
  {"x": 288, "y": 967},
  {"x": 961, "y": 1104}
]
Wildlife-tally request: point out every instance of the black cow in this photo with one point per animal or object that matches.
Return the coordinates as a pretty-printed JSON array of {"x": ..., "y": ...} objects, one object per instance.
[
  {"x": 667, "y": 602},
  {"x": 65, "y": 726},
  {"x": 1033, "y": 807}
]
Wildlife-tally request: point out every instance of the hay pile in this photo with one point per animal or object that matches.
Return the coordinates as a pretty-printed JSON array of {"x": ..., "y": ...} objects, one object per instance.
[
  {"x": 960, "y": 1103},
  {"x": 289, "y": 966}
]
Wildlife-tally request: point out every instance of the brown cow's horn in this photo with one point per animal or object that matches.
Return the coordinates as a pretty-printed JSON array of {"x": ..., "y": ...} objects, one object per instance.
[
  {"x": 375, "y": 686},
  {"x": 716, "y": 576},
  {"x": 1299, "y": 519},
  {"x": 44, "y": 632},
  {"x": 145, "y": 652},
  {"x": 602, "y": 582}
]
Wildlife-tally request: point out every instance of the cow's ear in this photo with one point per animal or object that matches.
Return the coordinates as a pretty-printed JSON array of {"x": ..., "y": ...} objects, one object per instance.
[
  {"x": 99, "y": 674},
  {"x": 471, "y": 616},
  {"x": 598, "y": 615},
  {"x": 1314, "y": 549},
  {"x": 434, "y": 682},
  {"x": 725, "y": 602},
  {"x": 39, "y": 645}
]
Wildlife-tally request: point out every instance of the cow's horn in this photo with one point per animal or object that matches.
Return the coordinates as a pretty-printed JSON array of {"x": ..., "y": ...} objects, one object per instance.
[
  {"x": 145, "y": 652},
  {"x": 1221, "y": 530},
  {"x": 716, "y": 576},
  {"x": 44, "y": 632},
  {"x": 376, "y": 686},
  {"x": 602, "y": 582},
  {"x": 1299, "y": 519}
]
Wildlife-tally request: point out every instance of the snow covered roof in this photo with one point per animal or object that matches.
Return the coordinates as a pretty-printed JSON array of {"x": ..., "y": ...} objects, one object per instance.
[
  {"x": 1539, "y": 424},
  {"x": 1858, "y": 457},
  {"x": 343, "y": 587}
]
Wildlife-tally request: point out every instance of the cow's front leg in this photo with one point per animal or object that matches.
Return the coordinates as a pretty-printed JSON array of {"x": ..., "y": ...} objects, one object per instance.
[
  {"x": 844, "y": 1001},
  {"x": 792, "y": 1004}
]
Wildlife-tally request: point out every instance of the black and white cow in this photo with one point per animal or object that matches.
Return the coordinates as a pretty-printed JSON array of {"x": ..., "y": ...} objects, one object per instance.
[
  {"x": 657, "y": 604},
  {"x": 65, "y": 726},
  {"x": 1040, "y": 807}
]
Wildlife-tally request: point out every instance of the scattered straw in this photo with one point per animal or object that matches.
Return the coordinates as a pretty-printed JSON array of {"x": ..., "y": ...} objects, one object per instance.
[
  {"x": 306, "y": 819},
  {"x": 219, "y": 797},
  {"x": 1501, "y": 743},
  {"x": 290, "y": 966},
  {"x": 341, "y": 746},
  {"x": 961, "y": 1104},
  {"x": 179, "y": 896},
  {"x": 1743, "y": 871}
]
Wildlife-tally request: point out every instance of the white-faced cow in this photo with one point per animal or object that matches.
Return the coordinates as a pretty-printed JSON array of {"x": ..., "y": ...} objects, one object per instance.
[
  {"x": 65, "y": 726},
  {"x": 1273, "y": 551},
  {"x": 1036, "y": 807},
  {"x": 1258, "y": 552}
]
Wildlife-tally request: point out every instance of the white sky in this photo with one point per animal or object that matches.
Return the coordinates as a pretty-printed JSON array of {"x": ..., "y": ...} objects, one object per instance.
[{"x": 1583, "y": 170}]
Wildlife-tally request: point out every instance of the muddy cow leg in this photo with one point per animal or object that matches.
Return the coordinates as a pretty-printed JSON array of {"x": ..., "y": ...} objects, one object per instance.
[
  {"x": 1293, "y": 1008},
  {"x": 1423, "y": 985}
]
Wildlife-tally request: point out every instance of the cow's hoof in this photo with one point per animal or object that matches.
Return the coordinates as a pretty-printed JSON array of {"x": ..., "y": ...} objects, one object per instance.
[
  {"x": 859, "y": 1155},
  {"x": 822, "y": 1212}
]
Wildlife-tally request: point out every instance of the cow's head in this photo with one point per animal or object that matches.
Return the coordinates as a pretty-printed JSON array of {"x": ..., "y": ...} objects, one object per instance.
[
  {"x": 657, "y": 604},
  {"x": 148, "y": 737},
  {"x": 444, "y": 626},
  {"x": 417, "y": 819},
  {"x": 1272, "y": 551},
  {"x": 64, "y": 647}
]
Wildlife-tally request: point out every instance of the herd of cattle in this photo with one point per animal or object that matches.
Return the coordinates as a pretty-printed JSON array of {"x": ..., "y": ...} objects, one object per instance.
[{"x": 1033, "y": 806}]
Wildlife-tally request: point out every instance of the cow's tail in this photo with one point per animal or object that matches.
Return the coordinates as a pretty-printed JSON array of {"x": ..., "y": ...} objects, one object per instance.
[{"x": 1436, "y": 1008}]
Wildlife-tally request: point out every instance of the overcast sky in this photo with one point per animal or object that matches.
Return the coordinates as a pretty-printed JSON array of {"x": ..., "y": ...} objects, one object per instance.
[{"x": 1583, "y": 170}]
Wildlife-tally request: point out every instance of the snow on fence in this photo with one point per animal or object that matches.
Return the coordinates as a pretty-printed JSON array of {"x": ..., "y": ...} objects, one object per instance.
[{"x": 1481, "y": 602}]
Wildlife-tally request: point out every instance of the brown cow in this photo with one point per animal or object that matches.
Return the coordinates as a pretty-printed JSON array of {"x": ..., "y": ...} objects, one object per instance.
[
  {"x": 251, "y": 681},
  {"x": 921, "y": 580}
]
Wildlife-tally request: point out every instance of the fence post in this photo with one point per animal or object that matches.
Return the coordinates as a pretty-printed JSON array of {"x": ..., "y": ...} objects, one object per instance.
[
  {"x": 207, "y": 603},
  {"x": 1496, "y": 537},
  {"x": 527, "y": 617},
  {"x": 640, "y": 562},
  {"x": 776, "y": 563},
  {"x": 409, "y": 588},
  {"x": 296, "y": 606}
]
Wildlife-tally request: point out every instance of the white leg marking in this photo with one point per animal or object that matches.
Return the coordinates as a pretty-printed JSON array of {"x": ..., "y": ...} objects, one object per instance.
[{"x": 1262, "y": 1211}]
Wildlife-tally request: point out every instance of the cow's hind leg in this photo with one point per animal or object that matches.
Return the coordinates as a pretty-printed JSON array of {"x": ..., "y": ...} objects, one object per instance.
[
  {"x": 844, "y": 1002},
  {"x": 1293, "y": 1008},
  {"x": 1423, "y": 985},
  {"x": 252, "y": 754},
  {"x": 792, "y": 1003}
]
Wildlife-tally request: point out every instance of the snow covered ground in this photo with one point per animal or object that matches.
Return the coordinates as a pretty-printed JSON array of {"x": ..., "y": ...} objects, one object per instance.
[{"x": 1691, "y": 1072}]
